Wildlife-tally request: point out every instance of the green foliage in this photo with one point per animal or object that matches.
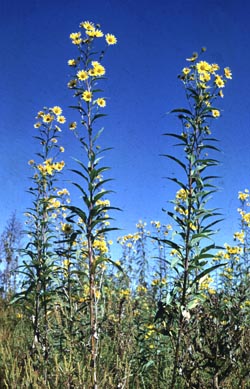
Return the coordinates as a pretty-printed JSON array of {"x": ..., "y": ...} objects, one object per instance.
[{"x": 171, "y": 311}]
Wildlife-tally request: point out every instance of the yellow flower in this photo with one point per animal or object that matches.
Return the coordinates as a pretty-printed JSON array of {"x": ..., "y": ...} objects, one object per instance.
[
  {"x": 100, "y": 245},
  {"x": 125, "y": 292},
  {"x": 215, "y": 113},
  {"x": 219, "y": 82},
  {"x": 228, "y": 73},
  {"x": 76, "y": 38},
  {"x": 54, "y": 140},
  {"x": 87, "y": 25},
  {"x": 40, "y": 114},
  {"x": 66, "y": 263},
  {"x": 75, "y": 35},
  {"x": 205, "y": 77},
  {"x": 48, "y": 118},
  {"x": 82, "y": 75},
  {"x": 59, "y": 165},
  {"x": 221, "y": 94},
  {"x": 63, "y": 192},
  {"x": 101, "y": 102},
  {"x": 98, "y": 34},
  {"x": 66, "y": 228},
  {"x": 193, "y": 58},
  {"x": 181, "y": 194},
  {"x": 103, "y": 203},
  {"x": 48, "y": 161},
  {"x": 192, "y": 226},
  {"x": 91, "y": 72},
  {"x": 72, "y": 62},
  {"x": 156, "y": 224},
  {"x": 110, "y": 39},
  {"x": 94, "y": 33},
  {"x": 186, "y": 71},
  {"x": 72, "y": 84},
  {"x": 203, "y": 67},
  {"x": 61, "y": 119},
  {"x": 243, "y": 196},
  {"x": 73, "y": 126},
  {"x": 42, "y": 169},
  {"x": 49, "y": 169},
  {"x": 141, "y": 288},
  {"x": 98, "y": 70},
  {"x": 214, "y": 67},
  {"x": 97, "y": 294},
  {"x": 240, "y": 236},
  {"x": 31, "y": 162},
  {"x": 37, "y": 125},
  {"x": 155, "y": 282},
  {"x": 56, "y": 110},
  {"x": 87, "y": 95},
  {"x": 62, "y": 149},
  {"x": 77, "y": 41}
]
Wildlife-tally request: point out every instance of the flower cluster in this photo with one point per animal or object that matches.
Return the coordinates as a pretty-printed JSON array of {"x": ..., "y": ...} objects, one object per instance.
[
  {"x": 181, "y": 195},
  {"x": 128, "y": 240},
  {"x": 243, "y": 196},
  {"x": 49, "y": 167},
  {"x": 88, "y": 70},
  {"x": 232, "y": 251},
  {"x": 207, "y": 78},
  {"x": 47, "y": 125},
  {"x": 50, "y": 115},
  {"x": 91, "y": 31},
  {"x": 205, "y": 284},
  {"x": 101, "y": 246},
  {"x": 159, "y": 282},
  {"x": 240, "y": 236},
  {"x": 161, "y": 227}
]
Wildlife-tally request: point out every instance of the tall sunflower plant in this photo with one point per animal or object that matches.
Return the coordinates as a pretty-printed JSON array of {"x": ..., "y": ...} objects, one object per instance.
[
  {"x": 93, "y": 220},
  {"x": 39, "y": 259},
  {"x": 192, "y": 250}
]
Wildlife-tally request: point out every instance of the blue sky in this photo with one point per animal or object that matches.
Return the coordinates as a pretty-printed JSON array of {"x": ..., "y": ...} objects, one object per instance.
[{"x": 154, "y": 38}]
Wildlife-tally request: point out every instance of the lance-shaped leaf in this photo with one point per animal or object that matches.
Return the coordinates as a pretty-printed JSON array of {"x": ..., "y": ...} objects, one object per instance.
[
  {"x": 176, "y": 160},
  {"x": 77, "y": 211},
  {"x": 207, "y": 271},
  {"x": 181, "y": 110}
]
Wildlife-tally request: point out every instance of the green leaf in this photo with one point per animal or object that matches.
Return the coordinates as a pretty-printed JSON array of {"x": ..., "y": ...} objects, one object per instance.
[
  {"x": 180, "y": 137},
  {"x": 77, "y": 211},
  {"x": 78, "y": 107},
  {"x": 170, "y": 244},
  {"x": 175, "y": 261},
  {"x": 80, "y": 174},
  {"x": 176, "y": 160},
  {"x": 177, "y": 182},
  {"x": 207, "y": 271},
  {"x": 197, "y": 237},
  {"x": 192, "y": 304},
  {"x": 97, "y": 116},
  {"x": 197, "y": 299},
  {"x": 181, "y": 110}
]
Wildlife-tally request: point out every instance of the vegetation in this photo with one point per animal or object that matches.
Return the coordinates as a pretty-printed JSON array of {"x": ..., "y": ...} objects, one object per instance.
[{"x": 174, "y": 311}]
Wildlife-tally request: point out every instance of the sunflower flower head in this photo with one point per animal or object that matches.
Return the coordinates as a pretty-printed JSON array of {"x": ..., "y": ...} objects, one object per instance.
[{"x": 110, "y": 39}]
